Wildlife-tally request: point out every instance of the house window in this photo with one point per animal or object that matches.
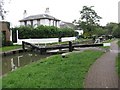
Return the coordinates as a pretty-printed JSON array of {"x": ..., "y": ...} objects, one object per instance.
[
  {"x": 31, "y": 22},
  {"x": 25, "y": 23},
  {"x": 49, "y": 22},
  {"x": 38, "y": 22},
  {"x": 56, "y": 23},
  {"x": 53, "y": 22}
]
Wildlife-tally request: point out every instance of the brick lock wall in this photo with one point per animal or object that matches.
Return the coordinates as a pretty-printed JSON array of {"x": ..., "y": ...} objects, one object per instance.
[{"x": 5, "y": 28}]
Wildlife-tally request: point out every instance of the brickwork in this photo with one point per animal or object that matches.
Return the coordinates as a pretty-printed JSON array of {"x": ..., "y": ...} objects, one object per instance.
[{"x": 5, "y": 28}]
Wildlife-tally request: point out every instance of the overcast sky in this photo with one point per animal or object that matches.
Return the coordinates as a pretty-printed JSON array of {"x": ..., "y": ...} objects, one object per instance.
[{"x": 65, "y": 10}]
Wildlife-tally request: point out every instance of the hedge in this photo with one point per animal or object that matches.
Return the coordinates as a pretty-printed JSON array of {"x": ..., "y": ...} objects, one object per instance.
[{"x": 26, "y": 32}]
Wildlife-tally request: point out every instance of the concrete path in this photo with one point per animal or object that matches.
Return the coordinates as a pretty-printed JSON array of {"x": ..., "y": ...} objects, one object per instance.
[{"x": 102, "y": 73}]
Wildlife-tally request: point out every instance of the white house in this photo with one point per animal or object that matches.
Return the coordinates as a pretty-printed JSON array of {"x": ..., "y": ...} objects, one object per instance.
[
  {"x": 78, "y": 29},
  {"x": 80, "y": 32},
  {"x": 67, "y": 25},
  {"x": 40, "y": 19}
]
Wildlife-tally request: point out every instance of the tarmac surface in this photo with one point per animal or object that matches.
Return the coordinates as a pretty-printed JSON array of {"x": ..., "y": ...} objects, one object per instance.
[{"x": 103, "y": 73}]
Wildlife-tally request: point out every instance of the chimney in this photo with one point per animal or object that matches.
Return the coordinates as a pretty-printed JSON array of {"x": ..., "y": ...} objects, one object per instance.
[
  {"x": 25, "y": 14},
  {"x": 47, "y": 11}
]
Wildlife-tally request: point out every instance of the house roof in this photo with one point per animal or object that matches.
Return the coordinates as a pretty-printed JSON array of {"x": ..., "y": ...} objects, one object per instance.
[
  {"x": 67, "y": 25},
  {"x": 39, "y": 16}
]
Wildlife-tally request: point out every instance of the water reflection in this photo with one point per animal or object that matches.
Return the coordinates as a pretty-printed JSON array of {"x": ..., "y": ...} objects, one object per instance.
[{"x": 12, "y": 62}]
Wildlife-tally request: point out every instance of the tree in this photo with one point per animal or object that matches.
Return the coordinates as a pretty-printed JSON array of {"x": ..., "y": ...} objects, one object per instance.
[
  {"x": 88, "y": 20},
  {"x": 116, "y": 32},
  {"x": 111, "y": 27},
  {"x": 3, "y": 12},
  {"x": 99, "y": 31}
]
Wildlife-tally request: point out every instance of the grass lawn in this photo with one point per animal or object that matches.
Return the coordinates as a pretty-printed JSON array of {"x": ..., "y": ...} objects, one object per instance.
[
  {"x": 0, "y": 83},
  {"x": 108, "y": 41},
  {"x": 53, "y": 72},
  {"x": 118, "y": 64},
  {"x": 8, "y": 48}
]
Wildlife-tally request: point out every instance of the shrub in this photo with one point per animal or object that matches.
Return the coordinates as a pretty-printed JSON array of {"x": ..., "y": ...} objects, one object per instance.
[{"x": 7, "y": 43}]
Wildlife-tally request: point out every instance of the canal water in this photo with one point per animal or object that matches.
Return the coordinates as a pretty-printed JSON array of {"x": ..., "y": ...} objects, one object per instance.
[{"x": 12, "y": 62}]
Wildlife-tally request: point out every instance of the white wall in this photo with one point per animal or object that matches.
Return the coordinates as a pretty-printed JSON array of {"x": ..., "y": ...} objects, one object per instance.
[
  {"x": 54, "y": 23},
  {"x": 58, "y": 24},
  {"x": 68, "y": 39},
  {"x": 38, "y": 41},
  {"x": 51, "y": 22},
  {"x": 80, "y": 32},
  {"x": 42, "y": 21},
  {"x": 22, "y": 23},
  {"x": 44, "y": 40}
]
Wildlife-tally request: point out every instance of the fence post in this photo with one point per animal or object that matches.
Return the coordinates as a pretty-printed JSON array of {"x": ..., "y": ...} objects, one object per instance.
[
  {"x": 42, "y": 51},
  {"x": 70, "y": 46},
  {"x": 23, "y": 45}
]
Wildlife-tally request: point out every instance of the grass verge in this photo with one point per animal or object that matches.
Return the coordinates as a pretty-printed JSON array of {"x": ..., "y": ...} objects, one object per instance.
[
  {"x": 108, "y": 41},
  {"x": 53, "y": 72},
  {"x": 118, "y": 60},
  {"x": 8, "y": 48},
  {"x": 118, "y": 64},
  {"x": 0, "y": 83}
]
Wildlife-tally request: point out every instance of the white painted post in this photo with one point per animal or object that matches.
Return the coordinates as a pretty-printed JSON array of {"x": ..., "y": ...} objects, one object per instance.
[
  {"x": 10, "y": 35},
  {"x": 106, "y": 44},
  {"x": 19, "y": 60},
  {"x": 17, "y": 36},
  {"x": 12, "y": 65}
]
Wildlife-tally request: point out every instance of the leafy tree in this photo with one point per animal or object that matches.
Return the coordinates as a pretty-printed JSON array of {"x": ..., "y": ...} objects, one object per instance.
[
  {"x": 89, "y": 20},
  {"x": 111, "y": 27},
  {"x": 3, "y": 12},
  {"x": 116, "y": 32},
  {"x": 1, "y": 9},
  {"x": 98, "y": 31}
]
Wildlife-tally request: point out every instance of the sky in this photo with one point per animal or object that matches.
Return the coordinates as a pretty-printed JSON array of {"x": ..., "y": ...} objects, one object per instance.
[{"x": 65, "y": 10}]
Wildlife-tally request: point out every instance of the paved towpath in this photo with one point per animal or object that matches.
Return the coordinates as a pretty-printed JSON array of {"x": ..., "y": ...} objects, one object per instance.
[{"x": 102, "y": 73}]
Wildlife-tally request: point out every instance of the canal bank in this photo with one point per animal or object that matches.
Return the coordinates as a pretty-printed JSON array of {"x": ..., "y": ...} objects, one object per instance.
[
  {"x": 13, "y": 59},
  {"x": 18, "y": 58},
  {"x": 10, "y": 52},
  {"x": 53, "y": 72}
]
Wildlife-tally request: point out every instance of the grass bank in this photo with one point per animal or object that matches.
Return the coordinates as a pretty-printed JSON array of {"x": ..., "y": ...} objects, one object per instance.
[
  {"x": 0, "y": 83},
  {"x": 8, "y": 48},
  {"x": 108, "y": 41},
  {"x": 118, "y": 60},
  {"x": 53, "y": 72}
]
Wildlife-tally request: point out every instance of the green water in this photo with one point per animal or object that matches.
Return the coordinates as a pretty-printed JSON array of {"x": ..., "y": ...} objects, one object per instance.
[{"x": 12, "y": 62}]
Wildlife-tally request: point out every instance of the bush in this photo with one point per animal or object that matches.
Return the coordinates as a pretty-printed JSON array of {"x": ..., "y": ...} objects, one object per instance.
[
  {"x": 26, "y": 32},
  {"x": 7, "y": 43}
]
